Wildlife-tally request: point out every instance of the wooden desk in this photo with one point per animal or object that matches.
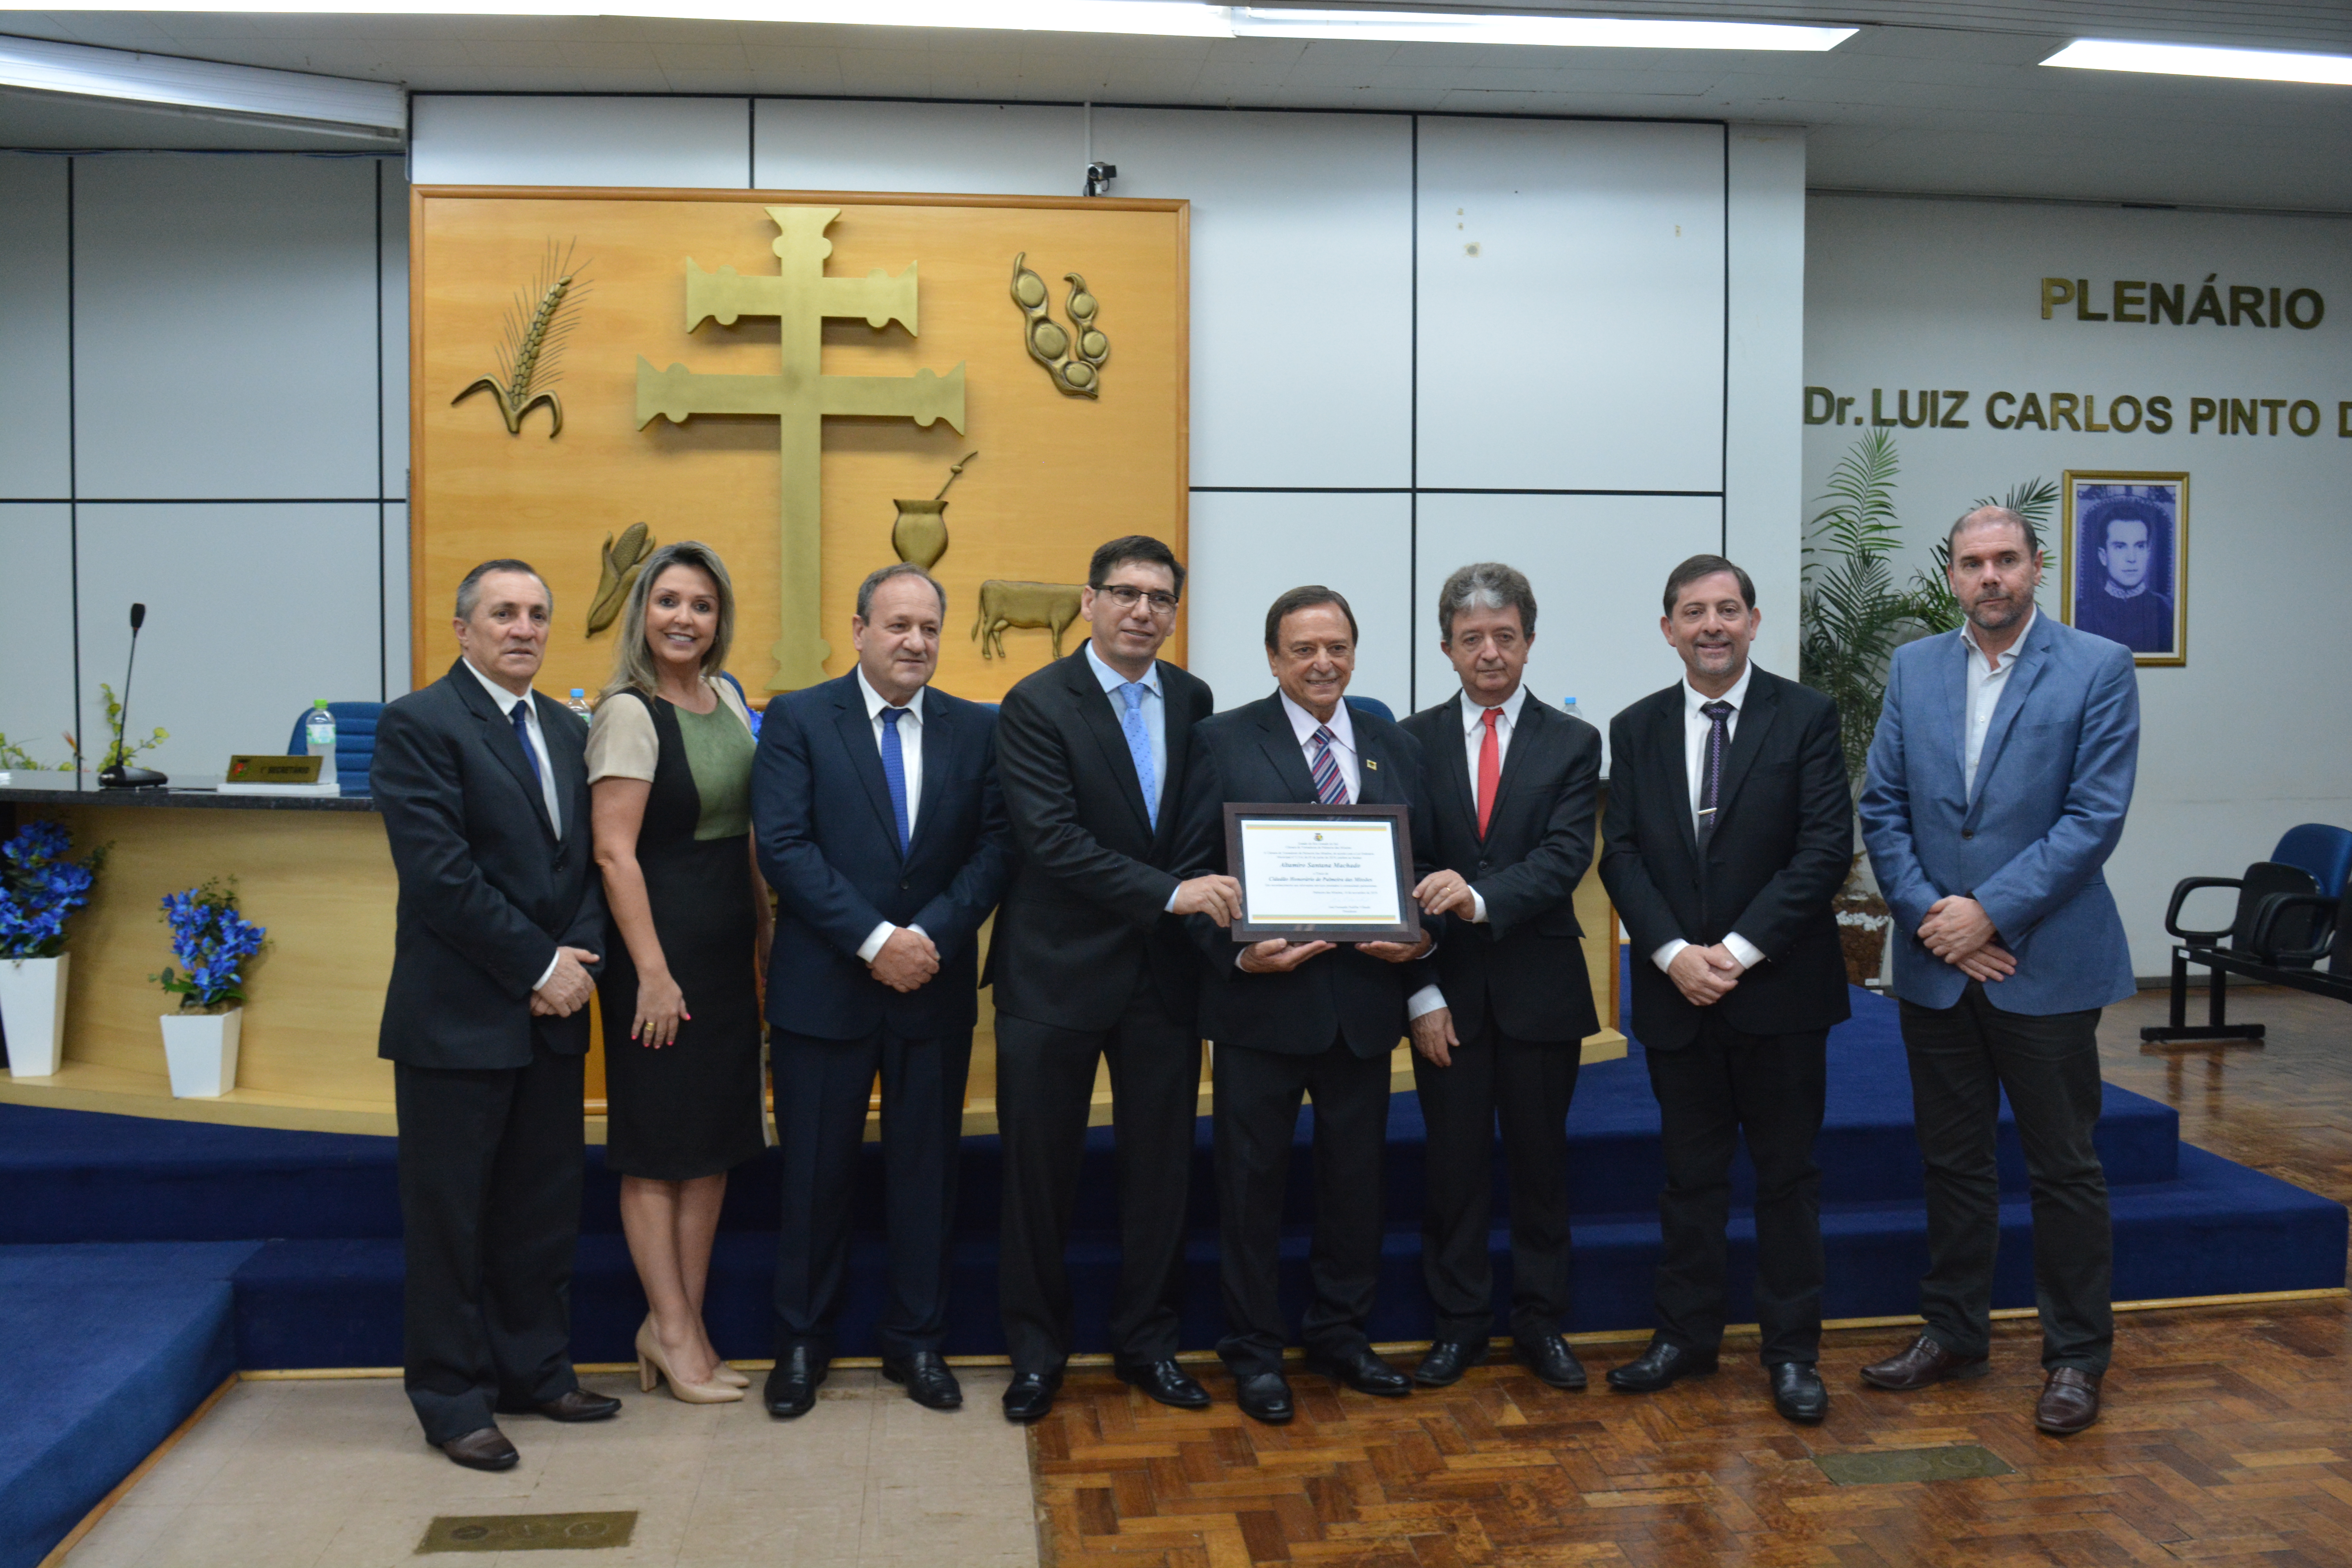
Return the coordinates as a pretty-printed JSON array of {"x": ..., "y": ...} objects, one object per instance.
[{"x": 318, "y": 875}]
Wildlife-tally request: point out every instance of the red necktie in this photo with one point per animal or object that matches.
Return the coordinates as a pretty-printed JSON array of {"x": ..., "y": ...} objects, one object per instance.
[{"x": 1490, "y": 768}]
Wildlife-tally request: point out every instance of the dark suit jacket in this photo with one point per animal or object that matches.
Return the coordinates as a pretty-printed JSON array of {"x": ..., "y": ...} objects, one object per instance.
[
  {"x": 1523, "y": 967},
  {"x": 1251, "y": 754},
  {"x": 828, "y": 843},
  {"x": 1085, "y": 916},
  {"x": 488, "y": 892},
  {"x": 1781, "y": 849}
]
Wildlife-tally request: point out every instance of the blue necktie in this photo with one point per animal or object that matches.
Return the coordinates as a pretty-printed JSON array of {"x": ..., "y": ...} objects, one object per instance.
[
  {"x": 894, "y": 770},
  {"x": 519, "y": 713},
  {"x": 1138, "y": 746}
]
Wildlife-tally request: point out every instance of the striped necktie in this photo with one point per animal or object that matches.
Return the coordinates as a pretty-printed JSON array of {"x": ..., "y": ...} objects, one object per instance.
[{"x": 1330, "y": 785}]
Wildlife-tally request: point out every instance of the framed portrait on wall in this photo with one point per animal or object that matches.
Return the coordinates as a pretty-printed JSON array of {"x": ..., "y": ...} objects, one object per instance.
[{"x": 2123, "y": 562}]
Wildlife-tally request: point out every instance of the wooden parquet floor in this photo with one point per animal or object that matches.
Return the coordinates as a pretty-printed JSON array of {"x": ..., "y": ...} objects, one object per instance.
[{"x": 2227, "y": 1438}]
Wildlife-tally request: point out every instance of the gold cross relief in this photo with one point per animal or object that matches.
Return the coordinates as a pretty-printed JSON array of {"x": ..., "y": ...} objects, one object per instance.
[{"x": 802, "y": 298}]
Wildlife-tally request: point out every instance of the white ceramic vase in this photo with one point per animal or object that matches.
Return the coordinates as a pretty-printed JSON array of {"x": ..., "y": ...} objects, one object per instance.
[
  {"x": 201, "y": 1050},
  {"x": 33, "y": 1010}
]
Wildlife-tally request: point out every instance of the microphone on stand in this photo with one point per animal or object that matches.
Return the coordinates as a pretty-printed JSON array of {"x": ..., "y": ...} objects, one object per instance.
[{"x": 119, "y": 776}]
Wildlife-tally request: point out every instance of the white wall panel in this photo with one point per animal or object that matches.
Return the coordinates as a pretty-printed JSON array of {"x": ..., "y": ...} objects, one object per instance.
[
  {"x": 1764, "y": 478},
  {"x": 1597, "y": 563},
  {"x": 1246, "y": 549},
  {"x": 1302, "y": 286},
  {"x": 967, "y": 148},
  {"x": 36, "y": 697},
  {"x": 252, "y": 612},
  {"x": 395, "y": 329},
  {"x": 226, "y": 326},
  {"x": 33, "y": 354},
  {"x": 1581, "y": 346},
  {"x": 694, "y": 141}
]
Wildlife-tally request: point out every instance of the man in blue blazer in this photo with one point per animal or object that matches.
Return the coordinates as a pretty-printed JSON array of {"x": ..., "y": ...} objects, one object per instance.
[
  {"x": 1998, "y": 780},
  {"x": 879, "y": 824}
]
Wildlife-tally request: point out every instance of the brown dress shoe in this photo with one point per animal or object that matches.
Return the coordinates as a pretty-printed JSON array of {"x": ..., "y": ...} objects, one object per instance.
[
  {"x": 2069, "y": 1402},
  {"x": 1923, "y": 1363},
  {"x": 484, "y": 1448}
]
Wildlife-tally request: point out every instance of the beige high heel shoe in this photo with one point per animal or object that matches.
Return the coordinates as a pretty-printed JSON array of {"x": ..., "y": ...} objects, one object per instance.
[
  {"x": 726, "y": 1373},
  {"x": 651, "y": 1369}
]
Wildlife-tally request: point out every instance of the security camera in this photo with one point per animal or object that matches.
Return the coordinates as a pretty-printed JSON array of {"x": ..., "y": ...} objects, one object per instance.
[{"x": 1098, "y": 178}]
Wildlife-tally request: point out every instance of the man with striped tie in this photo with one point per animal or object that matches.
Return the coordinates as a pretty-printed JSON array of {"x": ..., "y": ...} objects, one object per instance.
[
  {"x": 1730, "y": 828},
  {"x": 1315, "y": 1019},
  {"x": 878, "y": 819}
]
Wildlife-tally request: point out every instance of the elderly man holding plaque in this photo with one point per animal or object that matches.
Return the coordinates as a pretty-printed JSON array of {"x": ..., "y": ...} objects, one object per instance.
[{"x": 1322, "y": 813}]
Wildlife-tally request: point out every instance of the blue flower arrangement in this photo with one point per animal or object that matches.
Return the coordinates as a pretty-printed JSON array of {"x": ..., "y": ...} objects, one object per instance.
[
  {"x": 40, "y": 888},
  {"x": 212, "y": 942}
]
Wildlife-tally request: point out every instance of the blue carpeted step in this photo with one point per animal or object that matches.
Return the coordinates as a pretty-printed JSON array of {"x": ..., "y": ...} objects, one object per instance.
[
  {"x": 108, "y": 1347},
  {"x": 2218, "y": 1229}
]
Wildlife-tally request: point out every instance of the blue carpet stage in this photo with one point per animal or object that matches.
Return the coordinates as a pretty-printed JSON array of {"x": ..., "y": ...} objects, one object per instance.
[{"x": 163, "y": 1253}]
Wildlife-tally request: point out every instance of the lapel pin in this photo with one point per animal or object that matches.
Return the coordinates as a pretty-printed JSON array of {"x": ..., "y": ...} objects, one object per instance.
[{"x": 1371, "y": 765}]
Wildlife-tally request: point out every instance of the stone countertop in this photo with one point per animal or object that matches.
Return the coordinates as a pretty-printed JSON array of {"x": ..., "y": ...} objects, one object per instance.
[{"x": 23, "y": 788}]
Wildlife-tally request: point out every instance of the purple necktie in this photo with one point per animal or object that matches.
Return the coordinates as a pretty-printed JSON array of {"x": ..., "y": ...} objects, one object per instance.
[
  {"x": 1330, "y": 788},
  {"x": 1710, "y": 774}
]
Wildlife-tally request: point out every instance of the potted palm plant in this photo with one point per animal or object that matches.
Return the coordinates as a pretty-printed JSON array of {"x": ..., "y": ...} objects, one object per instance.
[
  {"x": 213, "y": 941},
  {"x": 40, "y": 888},
  {"x": 1852, "y": 616}
]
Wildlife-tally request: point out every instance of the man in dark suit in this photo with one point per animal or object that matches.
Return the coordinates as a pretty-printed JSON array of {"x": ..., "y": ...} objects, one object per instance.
[
  {"x": 1729, "y": 830},
  {"x": 1090, "y": 963},
  {"x": 879, "y": 824},
  {"x": 484, "y": 791},
  {"x": 1514, "y": 783},
  {"x": 1312, "y": 1018}
]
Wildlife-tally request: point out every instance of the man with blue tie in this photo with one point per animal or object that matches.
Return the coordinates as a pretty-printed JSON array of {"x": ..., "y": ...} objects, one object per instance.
[
  {"x": 880, "y": 827},
  {"x": 1091, "y": 964},
  {"x": 2000, "y": 777},
  {"x": 1300, "y": 1019}
]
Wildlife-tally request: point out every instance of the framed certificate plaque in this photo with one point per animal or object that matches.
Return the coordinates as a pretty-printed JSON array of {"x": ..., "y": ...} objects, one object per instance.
[{"x": 1322, "y": 873}]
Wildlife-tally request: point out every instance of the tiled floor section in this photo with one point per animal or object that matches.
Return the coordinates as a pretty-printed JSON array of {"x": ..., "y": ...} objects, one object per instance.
[{"x": 334, "y": 1474}]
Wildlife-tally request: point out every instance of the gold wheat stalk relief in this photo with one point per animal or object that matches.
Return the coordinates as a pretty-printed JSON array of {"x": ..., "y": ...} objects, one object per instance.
[{"x": 539, "y": 321}]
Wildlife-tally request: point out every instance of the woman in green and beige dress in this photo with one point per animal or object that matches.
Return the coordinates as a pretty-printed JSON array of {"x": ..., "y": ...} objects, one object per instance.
[{"x": 670, "y": 769}]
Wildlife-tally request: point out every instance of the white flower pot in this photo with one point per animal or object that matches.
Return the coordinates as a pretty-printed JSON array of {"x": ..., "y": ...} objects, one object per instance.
[
  {"x": 33, "y": 1010},
  {"x": 201, "y": 1050}
]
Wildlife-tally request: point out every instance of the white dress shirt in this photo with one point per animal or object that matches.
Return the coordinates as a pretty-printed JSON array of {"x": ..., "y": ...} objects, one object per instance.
[
  {"x": 1474, "y": 742},
  {"x": 910, "y": 756},
  {"x": 1303, "y": 724},
  {"x": 1986, "y": 683},
  {"x": 506, "y": 703},
  {"x": 1696, "y": 728}
]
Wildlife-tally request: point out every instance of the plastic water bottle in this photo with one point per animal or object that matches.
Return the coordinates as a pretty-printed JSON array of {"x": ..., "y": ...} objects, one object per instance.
[
  {"x": 318, "y": 736},
  {"x": 1567, "y": 706},
  {"x": 579, "y": 703}
]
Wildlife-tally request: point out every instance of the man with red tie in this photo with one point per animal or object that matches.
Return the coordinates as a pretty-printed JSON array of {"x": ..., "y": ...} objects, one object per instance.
[{"x": 1513, "y": 782}]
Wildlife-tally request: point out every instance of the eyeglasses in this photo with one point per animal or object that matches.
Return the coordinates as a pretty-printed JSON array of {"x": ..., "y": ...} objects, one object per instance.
[{"x": 1127, "y": 597}]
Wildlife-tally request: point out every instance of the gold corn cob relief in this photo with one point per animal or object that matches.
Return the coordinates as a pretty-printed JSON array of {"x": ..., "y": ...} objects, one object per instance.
[{"x": 535, "y": 341}]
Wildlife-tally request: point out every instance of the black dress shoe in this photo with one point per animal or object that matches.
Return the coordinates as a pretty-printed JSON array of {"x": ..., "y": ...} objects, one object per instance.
[
  {"x": 792, "y": 1387},
  {"x": 1030, "y": 1395},
  {"x": 1264, "y": 1396},
  {"x": 1166, "y": 1382},
  {"x": 1797, "y": 1392},
  {"x": 925, "y": 1378},
  {"x": 1660, "y": 1365},
  {"x": 486, "y": 1448},
  {"x": 577, "y": 1405},
  {"x": 1552, "y": 1362},
  {"x": 1446, "y": 1362},
  {"x": 1363, "y": 1372}
]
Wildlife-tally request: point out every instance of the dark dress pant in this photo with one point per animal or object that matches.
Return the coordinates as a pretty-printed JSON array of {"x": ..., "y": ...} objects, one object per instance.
[
  {"x": 823, "y": 1090},
  {"x": 1044, "y": 1089},
  {"x": 1726, "y": 1085},
  {"x": 490, "y": 1205},
  {"x": 1962, "y": 1057},
  {"x": 1525, "y": 1087},
  {"x": 1256, "y": 1098}
]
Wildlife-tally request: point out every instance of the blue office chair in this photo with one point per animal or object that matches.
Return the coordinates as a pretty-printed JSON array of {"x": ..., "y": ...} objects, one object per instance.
[
  {"x": 2326, "y": 852},
  {"x": 1373, "y": 706},
  {"x": 354, "y": 741}
]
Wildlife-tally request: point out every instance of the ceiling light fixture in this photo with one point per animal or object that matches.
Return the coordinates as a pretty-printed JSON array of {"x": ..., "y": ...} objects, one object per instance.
[
  {"x": 1165, "y": 18},
  {"x": 2195, "y": 59},
  {"x": 369, "y": 111}
]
